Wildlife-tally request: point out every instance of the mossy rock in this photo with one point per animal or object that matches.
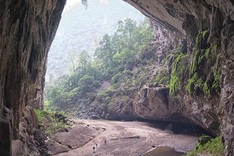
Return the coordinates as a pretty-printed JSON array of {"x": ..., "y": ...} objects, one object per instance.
[
  {"x": 198, "y": 72},
  {"x": 204, "y": 70},
  {"x": 178, "y": 73},
  {"x": 162, "y": 77}
]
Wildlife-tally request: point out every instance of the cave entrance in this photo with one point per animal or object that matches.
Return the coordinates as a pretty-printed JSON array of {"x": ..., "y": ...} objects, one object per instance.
[
  {"x": 81, "y": 29},
  {"x": 70, "y": 77},
  {"x": 83, "y": 87}
]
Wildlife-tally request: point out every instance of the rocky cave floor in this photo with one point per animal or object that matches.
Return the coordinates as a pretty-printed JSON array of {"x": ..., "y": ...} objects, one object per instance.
[{"x": 115, "y": 138}]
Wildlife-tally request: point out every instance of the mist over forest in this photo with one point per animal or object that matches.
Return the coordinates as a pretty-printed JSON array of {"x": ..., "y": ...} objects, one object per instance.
[{"x": 82, "y": 28}]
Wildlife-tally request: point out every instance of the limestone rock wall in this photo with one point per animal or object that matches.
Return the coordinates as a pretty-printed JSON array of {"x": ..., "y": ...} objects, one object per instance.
[
  {"x": 187, "y": 18},
  {"x": 27, "y": 28}
]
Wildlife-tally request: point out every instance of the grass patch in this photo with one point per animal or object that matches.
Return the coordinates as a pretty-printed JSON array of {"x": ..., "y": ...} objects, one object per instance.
[
  {"x": 207, "y": 145},
  {"x": 51, "y": 122}
]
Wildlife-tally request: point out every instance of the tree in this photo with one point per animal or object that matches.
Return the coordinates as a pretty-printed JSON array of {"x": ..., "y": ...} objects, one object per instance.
[
  {"x": 106, "y": 50},
  {"x": 73, "y": 58},
  {"x": 115, "y": 56},
  {"x": 84, "y": 60}
]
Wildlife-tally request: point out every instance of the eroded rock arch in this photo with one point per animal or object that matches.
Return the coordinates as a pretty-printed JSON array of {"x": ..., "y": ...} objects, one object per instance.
[{"x": 27, "y": 29}]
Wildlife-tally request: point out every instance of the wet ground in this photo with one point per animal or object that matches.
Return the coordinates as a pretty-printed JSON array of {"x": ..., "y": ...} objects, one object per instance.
[{"x": 164, "y": 151}]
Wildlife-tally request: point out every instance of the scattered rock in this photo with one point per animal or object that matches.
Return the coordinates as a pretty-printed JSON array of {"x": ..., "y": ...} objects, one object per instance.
[
  {"x": 56, "y": 148},
  {"x": 76, "y": 137}
]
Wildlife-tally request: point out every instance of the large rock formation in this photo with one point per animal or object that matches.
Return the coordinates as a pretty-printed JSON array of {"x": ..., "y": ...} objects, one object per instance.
[
  {"x": 27, "y": 29},
  {"x": 188, "y": 18}
]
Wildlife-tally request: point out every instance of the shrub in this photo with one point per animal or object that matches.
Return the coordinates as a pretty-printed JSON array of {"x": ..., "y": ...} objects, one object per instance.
[
  {"x": 116, "y": 78},
  {"x": 51, "y": 122},
  {"x": 212, "y": 146}
]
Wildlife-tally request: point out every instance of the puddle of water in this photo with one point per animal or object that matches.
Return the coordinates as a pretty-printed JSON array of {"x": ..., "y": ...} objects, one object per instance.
[{"x": 164, "y": 151}]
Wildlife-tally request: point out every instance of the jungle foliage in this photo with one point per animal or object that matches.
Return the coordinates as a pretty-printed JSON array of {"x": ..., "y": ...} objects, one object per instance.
[
  {"x": 52, "y": 122},
  {"x": 113, "y": 60}
]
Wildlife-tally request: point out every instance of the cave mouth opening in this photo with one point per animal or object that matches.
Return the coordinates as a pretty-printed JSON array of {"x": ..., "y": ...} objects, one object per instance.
[
  {"x": 22, "y": 88},
  {"x": 81, "y": 29}
]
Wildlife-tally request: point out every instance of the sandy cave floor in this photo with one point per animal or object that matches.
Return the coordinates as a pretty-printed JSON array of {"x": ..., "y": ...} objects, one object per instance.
[{"x": 115, "y": 138}]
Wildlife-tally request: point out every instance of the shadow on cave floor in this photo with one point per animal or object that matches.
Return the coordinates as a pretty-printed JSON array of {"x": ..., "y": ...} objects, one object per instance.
[{"x": 178, "y": 128}]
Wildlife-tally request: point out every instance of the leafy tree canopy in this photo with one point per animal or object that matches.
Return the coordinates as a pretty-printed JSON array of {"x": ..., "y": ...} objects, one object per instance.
[{"x": 113, "y": 56}]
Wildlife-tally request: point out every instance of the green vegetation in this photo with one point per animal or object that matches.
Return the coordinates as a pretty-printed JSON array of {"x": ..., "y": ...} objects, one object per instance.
[
  {"x": 204, "y": 71},
  {"x": 125, "y": 61},
  {"x": 207, "y": 145},
  {"x": 114, "y": 61},
  {"x": 51, "y": 122},
  {"x": 178, "y": 71},
  {"x": 162, "y": 77}
]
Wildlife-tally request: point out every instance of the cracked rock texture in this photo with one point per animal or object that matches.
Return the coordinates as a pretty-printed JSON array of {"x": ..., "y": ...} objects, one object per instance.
[
  {"x": 187, "y": 18},
  {"x": 27, "y": 28}
]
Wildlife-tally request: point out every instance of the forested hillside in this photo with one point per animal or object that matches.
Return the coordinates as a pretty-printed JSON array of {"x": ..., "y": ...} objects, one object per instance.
[
  {"x": 81, "y": 28},
  {"x": 118, "y": 64}
]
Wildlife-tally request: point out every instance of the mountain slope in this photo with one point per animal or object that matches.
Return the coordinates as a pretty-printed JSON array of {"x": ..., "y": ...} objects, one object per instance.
[{"x": 82, "y": 28}]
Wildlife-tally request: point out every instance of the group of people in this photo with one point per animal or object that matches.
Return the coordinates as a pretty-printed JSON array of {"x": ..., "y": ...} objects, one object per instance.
[{"x": 95, "y": 147}]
